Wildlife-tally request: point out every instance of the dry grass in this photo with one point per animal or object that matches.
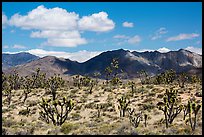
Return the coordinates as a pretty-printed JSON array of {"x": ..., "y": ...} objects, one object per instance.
[{"x": 83, "y": 119}]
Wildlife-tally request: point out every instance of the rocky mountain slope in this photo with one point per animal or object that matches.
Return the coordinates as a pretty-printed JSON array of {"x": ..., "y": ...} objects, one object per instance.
[
  {"x": 129, "y": 62},
  {"x": 11, "y": 60}
]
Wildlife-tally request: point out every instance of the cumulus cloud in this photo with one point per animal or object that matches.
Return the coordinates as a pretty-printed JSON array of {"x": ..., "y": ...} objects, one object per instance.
[
  {"x": 98, "y": 22},
  {"x": 128, "y": 24},
  {"x": 194, "y": 49},
  {"x": 158, "y": 34},
  {"x": 134, "y": 40},
  {"x": 19, "y": 46},
  {"x": 79, "y": 56},
  {"x": 60, "y": 27},
  {"x": 4, "y": 20},
  {"x": 46, "y": 19},
  {"x": 182, "y": 37}
]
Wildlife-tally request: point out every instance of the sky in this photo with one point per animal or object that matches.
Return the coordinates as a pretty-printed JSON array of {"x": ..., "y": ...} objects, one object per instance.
[{"x": 82, "y": 30}]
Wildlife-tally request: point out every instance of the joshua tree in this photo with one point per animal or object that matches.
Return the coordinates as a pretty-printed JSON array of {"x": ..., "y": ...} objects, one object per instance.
[
  {"x": 53, "y": 84},
  {"x": 14, "y": 80},
  {"x": 170, "y": 106},
  {"x": 27, "y": 87},
  {"x": 77, "y": 81},
  {"x": 132, "y": 86},
  {"x": 123, "y": 104},
  {"x": 38, "y": 79},
  {"x": 99, "y": 108},
  {"x": 92, "y": 83},
  {"x": 193, "y": 108},
  {"x": 134, "y": 118},
  {"x": 96, "y": 75},
  {"x": 56, "y": 110},
  {"x": 144, "y": 77},
  {"x": 182, "y": 79},
  {"x": 8, "y": 93},
  {"x": 145, "y": 118},
  {"x": 108, "y": 72},
  {"x": 169, "y": 76},
  {"x": 112, "y": 72}
]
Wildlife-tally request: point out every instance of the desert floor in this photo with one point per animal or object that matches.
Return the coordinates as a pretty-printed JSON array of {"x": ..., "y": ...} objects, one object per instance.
[{"x": 83, "y": 120}]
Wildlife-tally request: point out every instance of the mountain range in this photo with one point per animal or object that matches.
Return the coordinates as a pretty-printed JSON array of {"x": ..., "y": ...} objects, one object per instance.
[
  {"x": 130, "y": 62},
  {"x": 12, "y": 60}
]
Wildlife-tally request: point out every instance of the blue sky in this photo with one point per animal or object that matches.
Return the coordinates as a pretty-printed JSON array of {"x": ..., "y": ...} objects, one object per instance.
[{"x": 80, "y": 31}]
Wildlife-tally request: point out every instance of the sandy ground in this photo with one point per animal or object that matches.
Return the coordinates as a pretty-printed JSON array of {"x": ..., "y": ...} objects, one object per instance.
[{"x": 83, "y": 118}]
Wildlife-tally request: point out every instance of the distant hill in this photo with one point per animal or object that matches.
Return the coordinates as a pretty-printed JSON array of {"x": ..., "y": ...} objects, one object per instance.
[
  {"x": 11, "y": 60},
  {"x": 129, "y": 62}
]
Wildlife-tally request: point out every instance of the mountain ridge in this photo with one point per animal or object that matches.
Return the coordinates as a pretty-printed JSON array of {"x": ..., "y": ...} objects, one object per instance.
[{"x": 130, "y": 62}]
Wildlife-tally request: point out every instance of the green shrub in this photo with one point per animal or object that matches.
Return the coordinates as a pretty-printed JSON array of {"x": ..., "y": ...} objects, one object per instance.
[{"x": 68, "y": 127}]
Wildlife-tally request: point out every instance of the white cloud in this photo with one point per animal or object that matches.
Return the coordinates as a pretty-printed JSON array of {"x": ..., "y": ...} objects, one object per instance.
[
  {"x": 55, "y": 33},
  {"x": 134, "y": 40},
  {"x": 79, "y": 56},
  {"x": 128, "y": 24},
  {"x": 19, "y": 46},
  {"x": 46, "y": 19},
  {"x": 60, "y": 38},
  {"x": 62, "y": 42},
  {"x": 98, "y": 22},
  {"x": 158, "y": 34},
  {"x": 182, "y": 37},
  {"x": 120, "y": 37},
  {"x": 194, "y": 49},
  {"x": 4, "y": 20},
  {"x": 163, "y": 50},
  {"x": 60, "y": 27}
]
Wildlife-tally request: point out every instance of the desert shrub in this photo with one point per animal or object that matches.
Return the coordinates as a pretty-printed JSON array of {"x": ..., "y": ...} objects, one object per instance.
[
  {"x": 54, "y": 131},
  {"x": 66, "y": 128},
  {"x": 76, "y": 116},
  {"x": 32, "y": 103},
  {"x": 148, "y": 106},
  {"x": 198, "y": 94},
  {"x": 8, "y": 122},
  {"x": 73, "y": 91},
  {"x": 150, "y": 86},
  {"x": 77, "y": 107},
  {"x": 24, "y": 111},
  {"x": 4, "y": 131},
  {"x": 107, "y": 89},
  {"x": 90, "y": 105},
  {"x": 160, "y": 96},
  {"x": 106, "y": 128},
  {"x": 152, "y": 94}
]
